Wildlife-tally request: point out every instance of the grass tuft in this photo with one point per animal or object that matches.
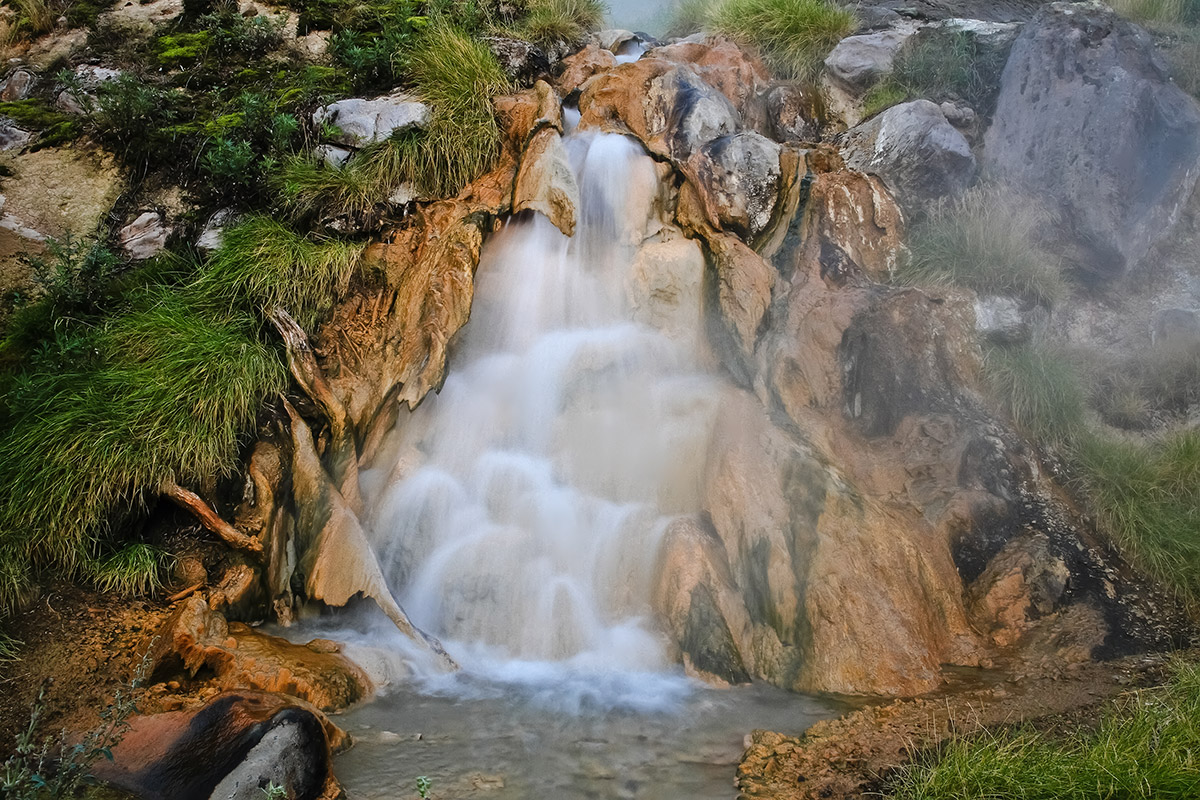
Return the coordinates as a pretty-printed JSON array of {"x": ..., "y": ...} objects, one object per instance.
[
  {"x": 688, "y": 17},
  {"x": 1158, "y": 13},
  {"x": 553, "y": 21},
  {"x": 1147, "y": 745},
  {"x": 1041, "y": 388},
  {"x": 133, "y": 571},
  {"x": 987, "y": 240},
  {"x": 794, "y": 36}
]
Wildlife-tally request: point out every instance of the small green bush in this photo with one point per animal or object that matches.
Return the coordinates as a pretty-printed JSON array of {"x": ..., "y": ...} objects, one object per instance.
[
  {"x": 793, "y": 35},
  {"x": 986, "y": 240},
  {"x": 1147, "y": 745}
]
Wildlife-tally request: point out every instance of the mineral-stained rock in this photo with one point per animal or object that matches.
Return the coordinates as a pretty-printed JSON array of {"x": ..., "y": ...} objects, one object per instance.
[
  {"x": 1024, "y": 581},
  {"x": 1089, "y": 120},
  {"x": 545, "y": 182},
  {"x": 362, "y": 122},
  {"x": 722, "y": 65},
  {"x": 793, "y": 114},
  {"x": 239, "y": 657},
  {"x": 523, "y": 62},
  {"x": 739, "y": 179},
  {"x": 581, "y": 66},
  {"x": 666, "y": 284},
  {"x": 17, "y": 85},
  {"x": 851, "y": 222},
  {"x": 232, "y": 747},
  {"x": 919, "y": 155}
]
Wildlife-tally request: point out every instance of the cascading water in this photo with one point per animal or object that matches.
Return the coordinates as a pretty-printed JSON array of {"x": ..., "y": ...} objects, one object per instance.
[
  {"x": 522, "y": 512},
  {"x": 518, "y": 514}
]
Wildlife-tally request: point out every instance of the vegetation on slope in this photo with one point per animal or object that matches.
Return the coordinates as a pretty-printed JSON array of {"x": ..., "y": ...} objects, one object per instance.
[
  {"x": 1147, "y": 745},
  {"x": 940, "y": 65}
]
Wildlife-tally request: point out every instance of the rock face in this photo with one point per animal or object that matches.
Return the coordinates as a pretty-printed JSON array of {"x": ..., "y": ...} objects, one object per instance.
[
  {"x": 740, "y": 179},
  {"x": 1088, "y": 119},
  {"x": 545, "y": 182},
  {"x": 231, "y": 748},
  {"x": 145, "y": 236},
  {"x": 919, "y": 155},
  {"x": 362, "y": 122},
  {"x": 859, "y": 62}
]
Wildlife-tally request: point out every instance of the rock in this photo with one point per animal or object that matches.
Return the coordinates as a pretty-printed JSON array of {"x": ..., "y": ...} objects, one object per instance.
[
  {"x": 362, "y": 122},
  {"x": 238, "y": 657},
  {"x": 744, "y": 285},
  {"x": 231, "y": 748},
  {"x": 589, "y": 61},
  {"x": 739, "y": 180},
  {"x": 1000, "y": 319},
  {"x": 666, "y": 284},
  {"x": 523, "y": 62},
  {"x": 989, "y": 38},
  {"x": 144, "y": 237},
  {"x": 12, "y": 137},
  {"x": 1023, "y": 582},
  {"x": 332, "y": 155},
  {"x": 614, "y": 39},
  {"x": 961, "y": 117},
  {"x": 793, "y": 114},
  {"x": 214, "y": 229},
  {"x": 546, "y": 183},
  {"x": 668, "y": 107},
  {"x": 852, "y": 224},
  {"x": 17, "y": 85},
  {"x": 917, "y": 153},
  {"x": 859, "y": 62},
  {"x": 239, "y": 593},
  {"x": 721, "y": 64},
  {"x": 189, "y": 571},
  {"x": 1089, "y": 120}
]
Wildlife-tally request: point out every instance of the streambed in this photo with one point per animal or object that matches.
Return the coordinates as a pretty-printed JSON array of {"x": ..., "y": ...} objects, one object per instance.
[{"x": 515, "y": 742}]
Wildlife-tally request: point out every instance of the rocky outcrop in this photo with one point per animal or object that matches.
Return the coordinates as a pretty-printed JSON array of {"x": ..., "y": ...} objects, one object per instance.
[
  {"x": 859, "y": 62},
  {"x": 236, "y": 657},
  {"x": 545, "y": 182},
  {"x": 1089, "y": 120},
  {"x": 917, "y": 153},
  {"x": 235, "y": 745},
  {"x": 739, "y": 178}
]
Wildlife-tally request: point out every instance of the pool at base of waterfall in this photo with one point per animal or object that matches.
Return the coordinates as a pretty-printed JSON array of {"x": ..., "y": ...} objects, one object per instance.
[{"x": 509, "y": 740}]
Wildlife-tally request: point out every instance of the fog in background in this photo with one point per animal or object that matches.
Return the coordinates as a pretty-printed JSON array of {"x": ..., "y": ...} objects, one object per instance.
[{"x": 650, "y": 16}]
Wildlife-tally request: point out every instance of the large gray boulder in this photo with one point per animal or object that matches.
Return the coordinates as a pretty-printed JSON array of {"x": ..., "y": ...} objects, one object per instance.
[
  {"x": 739, "y": 180},
  {"x": 915, "y": 150},
  {"x": 362, "y": 122},
  {"x": 859, "y": 62},
  {"x": 1088, "y": 119}
]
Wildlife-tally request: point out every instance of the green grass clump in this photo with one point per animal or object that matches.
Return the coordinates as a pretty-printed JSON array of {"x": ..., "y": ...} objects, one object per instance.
[
  {"x": 794, "y": 36},
  {"x": 133, "y": 571},
  {"x": 688, "y": 17},
  {"x": 1041, "y": 388},
  {"x": 1183, "y": 53},
  {"x": 940, "y": 65},
  {"x": 1147, "y": 495},
  {"x": 1147, "y": 745},
  {"x": 987, "y": 240},
  {"x": 113, "y": 405},
  {"x": 1159, "y": 13},
  {"x": 553, "y": 21}
]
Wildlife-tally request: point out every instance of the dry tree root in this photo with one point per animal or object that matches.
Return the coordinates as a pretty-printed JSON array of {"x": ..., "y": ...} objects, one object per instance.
[{"x": 212, "y": 521}]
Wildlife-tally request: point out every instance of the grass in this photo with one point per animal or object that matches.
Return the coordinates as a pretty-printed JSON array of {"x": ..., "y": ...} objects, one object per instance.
[
  {"x": 1159, "y": 13},
  {"x": 1041, "y": 389},
  {"x": 1183, "y": 53},
  {"x": 107, "y": 410},
  {"x": 33, "y": 19},
  {"x": 552, "y": 21},
  {"x": 133, "y": 571},
  {"x": 688, "y": 17},
  {"x": 794, "y": 36},
  {"x": 986, "y": 240},
  {"x": 1147, "y": 745},
  {"x": 940, "y": 65},
  {"x": 355, "y": 189}
]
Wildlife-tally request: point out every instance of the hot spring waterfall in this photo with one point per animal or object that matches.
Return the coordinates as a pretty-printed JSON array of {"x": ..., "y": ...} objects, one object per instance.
[{"x": 525, "y": 503}]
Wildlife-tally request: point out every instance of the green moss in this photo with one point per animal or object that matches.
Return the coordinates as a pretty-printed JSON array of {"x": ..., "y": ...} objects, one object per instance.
[{"x": 56, "y": 127}]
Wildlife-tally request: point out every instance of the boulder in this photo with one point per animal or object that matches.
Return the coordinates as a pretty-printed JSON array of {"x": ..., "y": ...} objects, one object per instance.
[
  {"x": 361, "y": 122},
  {"x": 739, "y": 180},
  {"x": 793, "y": 114},
  {"x": 13, "y": 137},
  {"x": 1089, "y": 120},
  {"x": 915, "y": 150},
  {"x": 666, "y": 284},
  {"x": 214, "y": 229},
  {"x": 585, "y": 64},
  {"x": 233, "y": 747},
  {"x": 859, "y": 62},
  {"x": 721, "y": 64},
  {"x": 332, "y": 155},
  {"x": 144, "y": 237}
]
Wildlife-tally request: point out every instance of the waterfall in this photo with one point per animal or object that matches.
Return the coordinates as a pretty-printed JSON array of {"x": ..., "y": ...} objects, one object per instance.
[{"x": 518, "y": 513}]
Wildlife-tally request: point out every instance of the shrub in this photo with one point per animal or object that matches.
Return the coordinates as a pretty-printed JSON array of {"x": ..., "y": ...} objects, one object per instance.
[
  {"x": 553, "y": 21},
  {"x": 1145, "y": 746},
  {"x": 793, "y": 35},
  {"x": 986, "y": 240},
  {"x": 33, "y": 18}
]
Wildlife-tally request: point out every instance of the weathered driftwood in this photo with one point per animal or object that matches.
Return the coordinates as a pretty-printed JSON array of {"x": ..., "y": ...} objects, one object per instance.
[{"x": 211, "y": 520}]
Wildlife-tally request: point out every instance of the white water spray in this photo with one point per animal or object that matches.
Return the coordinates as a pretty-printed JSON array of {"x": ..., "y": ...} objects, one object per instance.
[{"x": 519, "y": 511}]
